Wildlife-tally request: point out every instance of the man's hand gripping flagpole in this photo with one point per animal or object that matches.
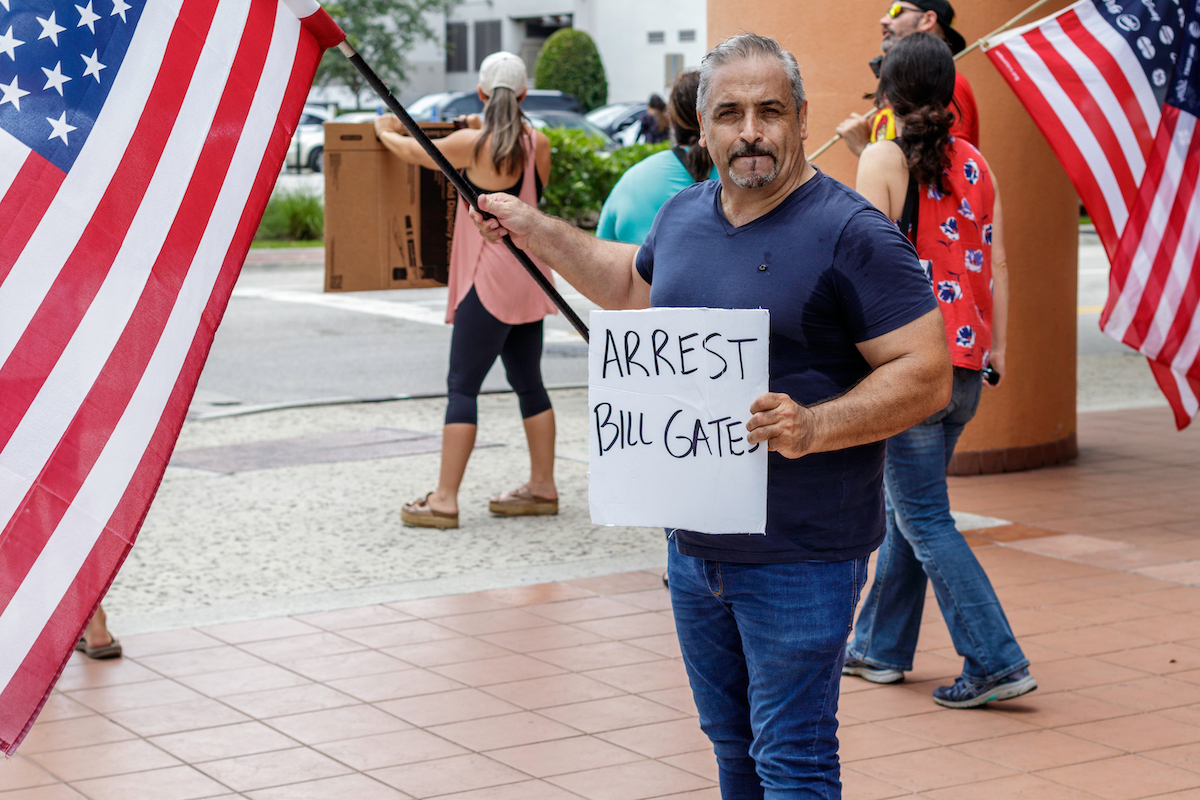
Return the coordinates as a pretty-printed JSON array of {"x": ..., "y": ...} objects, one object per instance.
[{"x": 461, "y": 185}]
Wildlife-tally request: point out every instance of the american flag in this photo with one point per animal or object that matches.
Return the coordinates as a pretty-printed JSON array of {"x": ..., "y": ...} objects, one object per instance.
[
  {"x": 139, "y": 143},
  {"x": 1094, "y": 78},
  {"x": 1154, "y": 284}
]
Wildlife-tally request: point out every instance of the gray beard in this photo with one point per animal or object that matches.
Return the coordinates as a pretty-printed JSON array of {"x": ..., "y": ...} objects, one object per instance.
[{"x": 757, "y": 180}]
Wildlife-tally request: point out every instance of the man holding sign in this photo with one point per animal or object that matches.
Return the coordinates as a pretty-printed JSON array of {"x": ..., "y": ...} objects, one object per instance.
[{"x": 857, "y": 354}]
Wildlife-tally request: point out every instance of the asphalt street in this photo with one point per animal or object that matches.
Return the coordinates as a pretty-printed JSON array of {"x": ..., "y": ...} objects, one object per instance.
[{"x": 285, "y": 342}]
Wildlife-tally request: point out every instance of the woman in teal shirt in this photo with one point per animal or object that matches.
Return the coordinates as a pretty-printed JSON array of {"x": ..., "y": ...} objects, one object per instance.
[{"x": 633, "y": 203}]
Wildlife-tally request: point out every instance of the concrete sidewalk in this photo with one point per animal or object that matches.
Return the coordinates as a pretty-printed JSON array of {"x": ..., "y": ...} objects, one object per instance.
[
  {"x": 536, "y": 659},
  {"x": 298, "y": 510}
]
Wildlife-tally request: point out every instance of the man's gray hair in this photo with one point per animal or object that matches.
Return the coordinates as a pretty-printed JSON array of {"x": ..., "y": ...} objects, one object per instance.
[{"x": 744, "y": 47}]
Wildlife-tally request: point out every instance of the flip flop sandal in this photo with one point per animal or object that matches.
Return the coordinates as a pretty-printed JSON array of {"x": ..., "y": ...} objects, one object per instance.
[
  {"x": 420, "y": 514},
  {"x": 110, "y": 650},
  {"x": 521, "y": 502}
]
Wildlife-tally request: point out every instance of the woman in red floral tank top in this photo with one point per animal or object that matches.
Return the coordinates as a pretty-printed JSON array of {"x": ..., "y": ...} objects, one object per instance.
[{"x": 958, "y": 233}]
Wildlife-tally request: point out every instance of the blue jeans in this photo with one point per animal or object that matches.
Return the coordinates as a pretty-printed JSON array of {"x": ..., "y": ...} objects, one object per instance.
[
  {"x": 923, "y": 543},
  {"x": 763, "y": 645}
]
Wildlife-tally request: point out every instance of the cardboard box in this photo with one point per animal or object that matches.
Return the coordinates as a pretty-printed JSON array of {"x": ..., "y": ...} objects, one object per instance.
[{"x": 388, "y": 224}]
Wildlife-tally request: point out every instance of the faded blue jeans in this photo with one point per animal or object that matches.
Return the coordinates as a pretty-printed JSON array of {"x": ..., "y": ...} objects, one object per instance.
[
  {"x": 923, "y": 544},
  {"x": 763, "y": 645}
]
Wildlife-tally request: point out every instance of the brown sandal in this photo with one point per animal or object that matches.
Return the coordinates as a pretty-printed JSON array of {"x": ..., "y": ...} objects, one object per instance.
[
  {"x": 420, "y": 514},
  {"x": 521, "y": 502}
]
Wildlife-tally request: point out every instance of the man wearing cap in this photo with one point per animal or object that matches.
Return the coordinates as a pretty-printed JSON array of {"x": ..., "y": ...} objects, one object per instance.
[{"x": 901, "y": 19}]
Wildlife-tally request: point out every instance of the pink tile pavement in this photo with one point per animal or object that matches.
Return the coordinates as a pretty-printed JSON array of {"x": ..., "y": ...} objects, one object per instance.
[{"x": 575, "y": 690}]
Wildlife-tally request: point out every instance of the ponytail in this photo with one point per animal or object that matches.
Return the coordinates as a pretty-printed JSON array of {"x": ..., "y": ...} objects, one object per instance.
[
  {"x": 925, "y": 140},
  {"x": 503, "y": 124},
  {"x": 917, "y": 79}
]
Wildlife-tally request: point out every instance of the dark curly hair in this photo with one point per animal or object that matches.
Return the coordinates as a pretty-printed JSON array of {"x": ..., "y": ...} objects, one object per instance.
[{"x": 917, "y": 80}]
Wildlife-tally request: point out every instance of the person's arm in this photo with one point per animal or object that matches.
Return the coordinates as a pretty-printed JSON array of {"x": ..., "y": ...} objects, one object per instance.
[
  {"x": 883, "y": 177},
  {"x": 457, "y": 147},
  {"x": 997, "y": 358},
  {"x": 855, "y": 132},
  {"x": 543, "y": 156},
  {"x": 910, "y": 379},
  {"x": 604, "y": 272}
]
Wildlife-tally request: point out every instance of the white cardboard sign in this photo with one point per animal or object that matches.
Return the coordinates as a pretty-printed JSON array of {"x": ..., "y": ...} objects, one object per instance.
[{"x": 669, "y": 393}]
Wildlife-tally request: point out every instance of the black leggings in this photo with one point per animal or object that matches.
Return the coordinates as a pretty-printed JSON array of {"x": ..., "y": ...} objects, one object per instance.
[{"x": 477, "y": 339}]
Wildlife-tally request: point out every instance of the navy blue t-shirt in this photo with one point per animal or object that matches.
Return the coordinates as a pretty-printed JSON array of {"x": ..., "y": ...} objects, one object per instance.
[{"x": 833, "y": 271}]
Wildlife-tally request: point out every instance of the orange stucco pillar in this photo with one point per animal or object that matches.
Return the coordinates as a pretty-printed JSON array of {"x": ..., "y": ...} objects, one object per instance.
[{"x": 1030, "y": 420}]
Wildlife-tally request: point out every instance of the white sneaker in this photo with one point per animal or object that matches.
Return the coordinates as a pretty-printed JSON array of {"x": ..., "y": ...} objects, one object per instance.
[{"x": 861, "y": 669}]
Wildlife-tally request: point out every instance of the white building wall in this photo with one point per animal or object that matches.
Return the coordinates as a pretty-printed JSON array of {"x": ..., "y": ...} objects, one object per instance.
[
  {"x": 512, "y": 15},
  {"x": 634, "y": 65},
  {"x": 428, "y": 68},
  {"x": 621, "y": 29}
]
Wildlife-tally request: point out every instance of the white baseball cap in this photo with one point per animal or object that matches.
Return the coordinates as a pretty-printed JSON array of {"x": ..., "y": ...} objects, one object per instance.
[{"x": 502, "y": 70}]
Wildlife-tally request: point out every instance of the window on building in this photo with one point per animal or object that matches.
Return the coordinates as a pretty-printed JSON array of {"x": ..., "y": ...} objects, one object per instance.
[
  {"x": 673, "y": 63},
  {"x": 537, "y": 31},
  {"x": 687, "y": 36},
  {"x": 656, "y": 37},
  {"x": 487, "y": 39},
  {"x": 456, "y": 47},
  {"x": 542, "y": 27}
]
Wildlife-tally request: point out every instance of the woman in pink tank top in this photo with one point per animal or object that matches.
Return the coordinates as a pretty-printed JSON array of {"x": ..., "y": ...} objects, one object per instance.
[{"x": 496, "y": 308}]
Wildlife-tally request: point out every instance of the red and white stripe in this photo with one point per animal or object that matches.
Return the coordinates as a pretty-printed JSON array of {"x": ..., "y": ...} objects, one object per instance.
[
  {"x": 113, "y": 278},
  {"x": 1154, "y": 285},
  {"x": 1134, "y": 166},
  {"x": 1085, "y": 89}
]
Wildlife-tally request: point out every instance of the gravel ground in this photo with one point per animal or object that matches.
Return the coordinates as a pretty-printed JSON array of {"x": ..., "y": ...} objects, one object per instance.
[{"x": 231, "y": 545}]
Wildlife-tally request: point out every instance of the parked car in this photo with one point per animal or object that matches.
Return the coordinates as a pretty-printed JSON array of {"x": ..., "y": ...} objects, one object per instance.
[
  {"x": 357, "y": 116},
  {"x": 308, "y": 142},
  {"x": 572, "y": 121},
  {"x": 616, "y": 117},
  {"x": 428, "y": 108},
  {"x": 448, "y": 105}
]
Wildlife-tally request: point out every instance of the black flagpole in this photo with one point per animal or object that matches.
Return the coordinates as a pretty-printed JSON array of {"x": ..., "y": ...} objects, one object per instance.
[{"x": 460, "y": 184}]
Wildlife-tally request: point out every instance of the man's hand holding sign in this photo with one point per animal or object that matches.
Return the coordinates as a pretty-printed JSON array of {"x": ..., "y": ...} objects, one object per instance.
[{"x": 669, "y": 392}]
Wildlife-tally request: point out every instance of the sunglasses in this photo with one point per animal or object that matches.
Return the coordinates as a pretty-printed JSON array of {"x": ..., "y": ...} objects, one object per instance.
[{"x": 898, "y": 8}]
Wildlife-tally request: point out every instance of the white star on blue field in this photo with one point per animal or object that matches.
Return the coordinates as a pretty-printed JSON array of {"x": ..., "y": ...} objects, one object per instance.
[{"x": 57, "y": 64}]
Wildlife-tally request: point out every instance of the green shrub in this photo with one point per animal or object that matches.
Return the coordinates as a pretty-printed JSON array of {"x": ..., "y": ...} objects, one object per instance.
[
  {"x": 582, "y": 174},
  {"x": 297, "y": 215},
  {"x": 626, "y": 157},
  {"x": 569, "y": 62}
]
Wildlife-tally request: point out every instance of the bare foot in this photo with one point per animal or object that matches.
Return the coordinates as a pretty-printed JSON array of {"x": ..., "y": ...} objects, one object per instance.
[
  {"x": 96, "y": 634},
  {"x": 544, "y": 489},
  {"x": 443, "y": 502}
]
